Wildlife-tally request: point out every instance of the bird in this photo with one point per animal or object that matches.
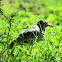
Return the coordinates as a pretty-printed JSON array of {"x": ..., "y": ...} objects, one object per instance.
[{"x": 30, "y": 34}]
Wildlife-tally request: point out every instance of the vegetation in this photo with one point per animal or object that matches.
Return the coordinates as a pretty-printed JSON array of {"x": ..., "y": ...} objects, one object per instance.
[{"x": 16, "y": 15}]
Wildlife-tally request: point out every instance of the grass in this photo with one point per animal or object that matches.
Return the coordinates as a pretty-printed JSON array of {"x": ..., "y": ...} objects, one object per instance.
[{"x": 16, "y": 15}]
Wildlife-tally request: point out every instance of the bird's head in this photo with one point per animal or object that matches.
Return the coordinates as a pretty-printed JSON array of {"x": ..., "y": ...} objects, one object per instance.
[{"x": 42, "y": 24}]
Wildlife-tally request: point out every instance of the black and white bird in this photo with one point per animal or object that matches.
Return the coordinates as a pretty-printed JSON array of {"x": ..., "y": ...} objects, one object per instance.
[{"x": 30, "y": 34}]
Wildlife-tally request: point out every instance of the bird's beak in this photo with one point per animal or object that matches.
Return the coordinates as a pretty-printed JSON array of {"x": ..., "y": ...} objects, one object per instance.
[{"x": 50, "y": 25}]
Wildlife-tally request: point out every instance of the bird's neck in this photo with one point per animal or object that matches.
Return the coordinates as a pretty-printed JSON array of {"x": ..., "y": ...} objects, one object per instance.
[{"x": 41, "y": 28}]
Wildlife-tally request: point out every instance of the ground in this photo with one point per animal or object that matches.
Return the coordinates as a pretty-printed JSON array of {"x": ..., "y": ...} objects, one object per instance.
[{"x": 16, "y": 15}]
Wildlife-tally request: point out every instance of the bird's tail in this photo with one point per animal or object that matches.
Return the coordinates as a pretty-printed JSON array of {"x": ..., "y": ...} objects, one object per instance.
[
  {"x": 18, "y": 39},
  {"x": 12, "y": 44}
]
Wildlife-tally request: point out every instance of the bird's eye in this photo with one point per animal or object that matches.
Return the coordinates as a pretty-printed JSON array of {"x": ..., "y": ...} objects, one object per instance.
[{"x": 45, "y": 23}]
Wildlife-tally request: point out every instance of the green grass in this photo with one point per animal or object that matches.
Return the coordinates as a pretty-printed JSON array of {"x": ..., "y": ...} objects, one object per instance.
[{"x": 17, "y": 16}]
